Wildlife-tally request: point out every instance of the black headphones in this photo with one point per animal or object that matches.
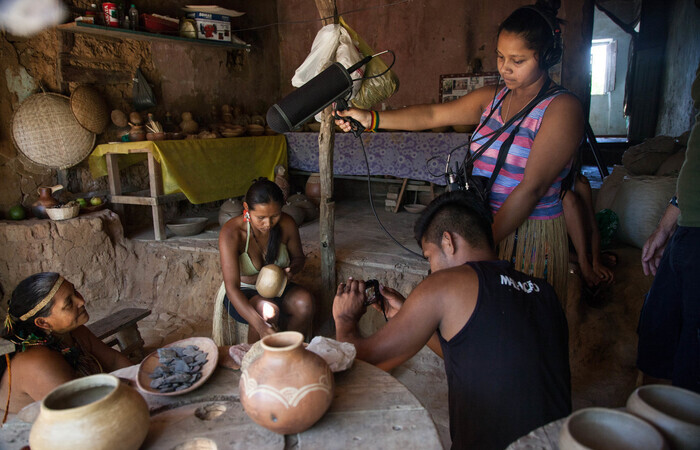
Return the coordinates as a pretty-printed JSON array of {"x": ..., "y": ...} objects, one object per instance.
[{"x": 552, "y": 55}]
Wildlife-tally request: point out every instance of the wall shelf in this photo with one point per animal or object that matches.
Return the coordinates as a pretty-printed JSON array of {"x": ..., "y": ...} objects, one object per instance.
[{"x": 86, "y": 28}]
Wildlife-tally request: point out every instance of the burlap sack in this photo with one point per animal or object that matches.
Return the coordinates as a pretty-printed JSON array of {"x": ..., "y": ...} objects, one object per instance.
[
  {"x": 645, "y": 158},
  {"x": 608, "y": 190}
]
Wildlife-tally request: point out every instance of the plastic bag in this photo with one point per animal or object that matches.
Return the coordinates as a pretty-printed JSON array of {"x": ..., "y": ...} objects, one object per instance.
[
  {"x": 373, "y": 90},
  {"x": 324, "y": 47},
  {"x": 143, "y": 97}
]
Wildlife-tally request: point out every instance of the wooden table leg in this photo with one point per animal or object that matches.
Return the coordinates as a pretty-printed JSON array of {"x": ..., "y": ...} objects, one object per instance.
[
  {"x": 155, "y": 177},
  {"x": 115, "y": 183},
  {"x": 400, "y": 197}
]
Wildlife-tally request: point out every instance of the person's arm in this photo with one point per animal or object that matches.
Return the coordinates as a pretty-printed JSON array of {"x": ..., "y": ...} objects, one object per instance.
[
  {"x": 401, "y": 338},
  {"x": 576, "y": 228},
  {"x": 654, "y": 246},
  {"x": 583, "y": 188},
  {"x": 465, "y": 110},
  {"x": 555, "y": 144},
  {"x": 297, "y": 259},
  {"x": 40, "y": 370},
  {"x": 228, "y": 254},
  {"x": 109, "y": 358}
]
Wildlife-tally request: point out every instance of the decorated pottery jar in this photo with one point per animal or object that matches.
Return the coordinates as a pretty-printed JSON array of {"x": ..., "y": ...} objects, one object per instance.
[
  {"x": 97, "y": 412},
  {"x": 288, "y": 388}
]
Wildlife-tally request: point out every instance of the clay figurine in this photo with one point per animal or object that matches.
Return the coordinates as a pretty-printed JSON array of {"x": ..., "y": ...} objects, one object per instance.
[{"x": 188, "y": 125}]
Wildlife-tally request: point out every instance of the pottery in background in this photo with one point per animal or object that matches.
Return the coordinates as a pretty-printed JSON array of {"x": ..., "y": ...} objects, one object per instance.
[
  {"x": 313, "y": 188},
  {"x": 231, "y": 208},
  {"x": 45, "y": 200},
  {"x": 188, "y": 125}
]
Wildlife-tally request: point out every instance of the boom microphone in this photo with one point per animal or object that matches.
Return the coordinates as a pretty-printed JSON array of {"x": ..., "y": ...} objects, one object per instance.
[{"x": 325, "y": 88}]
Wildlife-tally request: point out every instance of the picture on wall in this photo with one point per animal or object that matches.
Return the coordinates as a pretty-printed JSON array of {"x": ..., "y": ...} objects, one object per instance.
[{"x": 453, "y": 86}]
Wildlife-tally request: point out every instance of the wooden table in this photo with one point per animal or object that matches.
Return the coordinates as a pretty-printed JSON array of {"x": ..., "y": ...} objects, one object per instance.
[{"x": 371, "y": 409}]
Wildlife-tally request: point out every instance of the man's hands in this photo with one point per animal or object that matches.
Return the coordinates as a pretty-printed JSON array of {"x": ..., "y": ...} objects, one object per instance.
[
  {"x": 393, "y": 301},
  {"x": 348, "y": 304},
  {"x": 654, "y": 246}
]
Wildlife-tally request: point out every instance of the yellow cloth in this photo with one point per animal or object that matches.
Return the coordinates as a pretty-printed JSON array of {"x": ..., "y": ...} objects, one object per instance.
[{"x": 205, "y": 170}]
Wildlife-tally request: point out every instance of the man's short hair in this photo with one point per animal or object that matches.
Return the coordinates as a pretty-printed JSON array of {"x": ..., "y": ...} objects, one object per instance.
[{"x": 457, "y": 212}]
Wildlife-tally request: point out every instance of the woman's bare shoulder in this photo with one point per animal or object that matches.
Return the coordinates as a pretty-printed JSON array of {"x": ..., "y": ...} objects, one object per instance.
[{"x": 39, "y": 357}]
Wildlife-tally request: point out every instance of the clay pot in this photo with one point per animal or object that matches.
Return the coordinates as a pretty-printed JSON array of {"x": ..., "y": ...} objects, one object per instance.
[
  {"x": 231, "y": 208},
  {"x": 271, "y": 281},
  {"x": 188, "y": 126},
  {"x": 601, "y": 428},
  {"x": 288, "y": 388},
  {"x": 137, "y": 133},
  {"x": 313, "y": 188},
  {"x": 45, "y": 200},
  {"x": 96, "y": 412},
  {"x": 297, "y": 213},
  {"x": 301, "y": 201},
  {"x": 674, "y": 411}
]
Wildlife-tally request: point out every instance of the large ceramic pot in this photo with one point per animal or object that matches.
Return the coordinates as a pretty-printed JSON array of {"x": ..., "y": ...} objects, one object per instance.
[
  {"x": 97, "y": 412},
  {"x": 674, "y": 411},
  {"x": 288, "y": 388},
  {"x": 297, "y": 213},
  {"x": 231, "y": 208},
  {"x": 313, "y": 188},
  {"x": 602, "y": 428},
  {"x": 301, "y": 201},
  {"x": 45, "y": 200}
]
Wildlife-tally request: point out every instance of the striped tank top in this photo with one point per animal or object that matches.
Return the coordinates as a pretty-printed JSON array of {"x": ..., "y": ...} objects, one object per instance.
[{"x": 549, "y": 206}]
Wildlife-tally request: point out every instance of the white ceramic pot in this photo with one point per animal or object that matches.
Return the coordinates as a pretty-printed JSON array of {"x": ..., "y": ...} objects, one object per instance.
[
  {"x": 97, "y": 412},
  {"x": 608, "y": 429},
  {"x": 271, "y": 281},
  {"x": 674, "y": 411}
]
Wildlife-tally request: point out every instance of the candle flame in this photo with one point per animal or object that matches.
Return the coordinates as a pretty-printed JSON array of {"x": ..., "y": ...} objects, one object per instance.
[{"x": 268, "y": 311}]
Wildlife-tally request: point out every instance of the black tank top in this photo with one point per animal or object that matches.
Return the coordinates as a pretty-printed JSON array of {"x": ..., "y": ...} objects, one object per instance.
[{"x": 508, "y": 368}]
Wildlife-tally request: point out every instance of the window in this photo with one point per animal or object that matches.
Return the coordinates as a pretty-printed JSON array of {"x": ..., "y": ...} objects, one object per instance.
[{"x": 603, "y": 57}]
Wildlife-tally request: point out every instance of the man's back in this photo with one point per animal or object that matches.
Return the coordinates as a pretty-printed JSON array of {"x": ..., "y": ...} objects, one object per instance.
[{"x": 508, "y": 367}]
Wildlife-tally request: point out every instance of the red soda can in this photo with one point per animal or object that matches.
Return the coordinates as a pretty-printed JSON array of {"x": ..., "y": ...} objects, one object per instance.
[{"x": 111, "y": 14}]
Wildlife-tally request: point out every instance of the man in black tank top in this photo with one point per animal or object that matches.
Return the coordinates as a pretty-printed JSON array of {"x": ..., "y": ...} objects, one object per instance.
[{"x": 503, "y": 334}]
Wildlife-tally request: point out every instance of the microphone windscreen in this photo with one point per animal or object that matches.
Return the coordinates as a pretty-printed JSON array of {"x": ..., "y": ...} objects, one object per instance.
[{"x": 296, "y": 108}]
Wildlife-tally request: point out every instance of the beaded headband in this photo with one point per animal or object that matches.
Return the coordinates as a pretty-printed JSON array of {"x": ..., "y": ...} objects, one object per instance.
[{"x": 46, "y": 300}]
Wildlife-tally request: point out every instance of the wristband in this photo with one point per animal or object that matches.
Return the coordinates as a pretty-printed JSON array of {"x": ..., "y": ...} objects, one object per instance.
[
  {"x": 374, "y": 123},
  {"x": 674, "y": 201}
]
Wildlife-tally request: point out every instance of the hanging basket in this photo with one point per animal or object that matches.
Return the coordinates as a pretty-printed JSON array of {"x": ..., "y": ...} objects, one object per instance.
[
  {"x": 89, "y": 109},
  {"x": 46, "y": 132}
]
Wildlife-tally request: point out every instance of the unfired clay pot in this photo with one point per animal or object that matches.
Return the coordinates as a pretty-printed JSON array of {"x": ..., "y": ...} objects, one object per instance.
[
  {"x": 674, "y": 411},
  {"x": 608, "y": 429},
  {"x": 231, "y": 208},
  {"x": 288, "y": 388},
  {"x": 313, "y": 188},
  {"x": 297, "y": 213},
  {"x": 97, "y": 412},
  {"x": 310, "y": 209},
  {"x": 271, "y": 281}
]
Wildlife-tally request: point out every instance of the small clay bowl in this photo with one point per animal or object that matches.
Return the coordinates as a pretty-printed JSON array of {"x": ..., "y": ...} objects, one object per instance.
[
  {"x": 188, "y": 226},
  {"x": 271, "y": 281},
  {"x": 174, "y": 136},
  {"x": 155, "y": 136},
  {"x": 414, "y": 208},
  {"x": 673, "y": 410},
  {"x": 255, "y": 130},
  {"x": 602, "y": 428}
]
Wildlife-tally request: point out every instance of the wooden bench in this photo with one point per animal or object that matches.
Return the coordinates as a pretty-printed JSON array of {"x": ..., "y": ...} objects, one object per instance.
[{"x": 123, "y": 325}]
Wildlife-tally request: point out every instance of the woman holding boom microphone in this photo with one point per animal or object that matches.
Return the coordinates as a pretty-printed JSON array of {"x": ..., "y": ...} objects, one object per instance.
[{"x": 535, "y": 125}]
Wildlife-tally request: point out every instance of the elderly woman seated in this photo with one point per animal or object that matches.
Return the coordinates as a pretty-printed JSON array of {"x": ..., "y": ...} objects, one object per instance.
[{"x": 45, "y": 321}]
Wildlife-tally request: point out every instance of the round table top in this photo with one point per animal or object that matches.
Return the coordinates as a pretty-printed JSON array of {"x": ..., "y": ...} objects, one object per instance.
[{"x": 370, "y": 409}]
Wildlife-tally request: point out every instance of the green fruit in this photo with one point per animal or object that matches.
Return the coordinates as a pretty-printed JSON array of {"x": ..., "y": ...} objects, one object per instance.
[
  {"x": 82, "y": 202},
  {"x": 94, "y": 201},
  {"x": 17, "y": 213}
]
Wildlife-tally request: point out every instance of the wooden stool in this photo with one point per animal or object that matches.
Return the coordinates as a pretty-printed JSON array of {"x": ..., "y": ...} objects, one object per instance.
[{"x": 123, "y": 325}]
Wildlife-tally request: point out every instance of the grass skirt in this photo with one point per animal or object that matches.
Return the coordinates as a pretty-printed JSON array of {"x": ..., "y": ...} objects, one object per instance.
[{"x": 540, "y": 248}]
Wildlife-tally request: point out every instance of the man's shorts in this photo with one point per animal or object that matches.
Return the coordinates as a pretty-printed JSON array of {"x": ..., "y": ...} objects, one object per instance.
[{"x": 669, "y": 324}]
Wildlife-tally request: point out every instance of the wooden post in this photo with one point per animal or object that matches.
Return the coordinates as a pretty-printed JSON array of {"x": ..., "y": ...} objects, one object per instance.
[{"x": 326, "y": 140}]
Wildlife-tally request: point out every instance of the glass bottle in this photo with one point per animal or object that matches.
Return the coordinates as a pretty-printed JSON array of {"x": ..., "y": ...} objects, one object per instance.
[{"x": 134, "y": 17}]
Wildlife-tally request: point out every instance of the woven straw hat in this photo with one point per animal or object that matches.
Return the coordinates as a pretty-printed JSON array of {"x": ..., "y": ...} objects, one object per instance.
[
  {"x": 89, "y": 109},
  {"x": 45, "y": 131}
]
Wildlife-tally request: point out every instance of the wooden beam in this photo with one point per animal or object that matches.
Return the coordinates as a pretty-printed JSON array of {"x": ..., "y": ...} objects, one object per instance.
[{"x": 326, "y": 140}]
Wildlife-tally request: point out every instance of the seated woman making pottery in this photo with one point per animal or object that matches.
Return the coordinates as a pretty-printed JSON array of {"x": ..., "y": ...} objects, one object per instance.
[
  {"x": 261, "y": 236},
  {"x": 45, "y": 321}
]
